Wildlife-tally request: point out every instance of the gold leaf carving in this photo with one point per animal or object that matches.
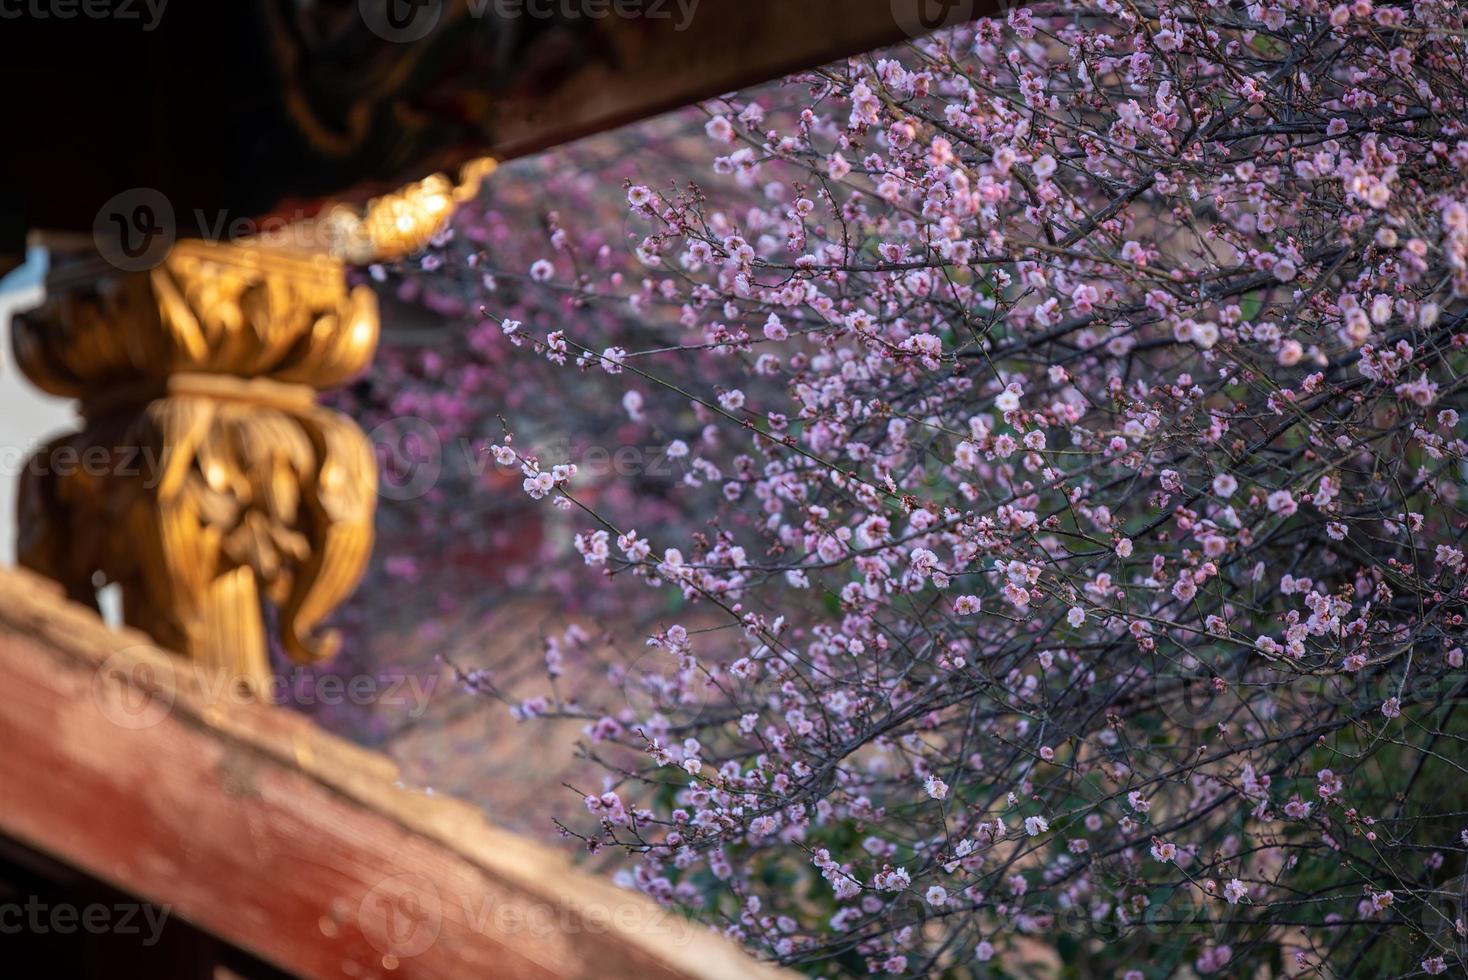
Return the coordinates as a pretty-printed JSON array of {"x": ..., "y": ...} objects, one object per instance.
[{"x": 215, "y": 480}]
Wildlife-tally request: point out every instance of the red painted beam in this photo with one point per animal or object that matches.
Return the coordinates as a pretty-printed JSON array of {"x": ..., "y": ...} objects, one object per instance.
[{"x": 256, "y": 827}]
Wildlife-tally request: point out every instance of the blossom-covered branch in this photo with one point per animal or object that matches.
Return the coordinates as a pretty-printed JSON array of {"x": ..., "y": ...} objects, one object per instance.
[{"x": 1067, "y": 514}]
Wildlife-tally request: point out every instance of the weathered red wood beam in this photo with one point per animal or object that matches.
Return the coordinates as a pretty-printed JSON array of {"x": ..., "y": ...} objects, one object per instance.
[{"x": 258, "y": 828}]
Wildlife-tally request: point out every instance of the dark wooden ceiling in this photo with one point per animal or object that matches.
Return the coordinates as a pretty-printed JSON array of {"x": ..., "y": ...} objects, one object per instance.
[{"x": 239, "y": 108}]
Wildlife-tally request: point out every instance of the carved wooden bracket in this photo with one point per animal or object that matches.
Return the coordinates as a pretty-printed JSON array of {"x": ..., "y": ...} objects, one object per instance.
[{"x": 205, "y": 478}]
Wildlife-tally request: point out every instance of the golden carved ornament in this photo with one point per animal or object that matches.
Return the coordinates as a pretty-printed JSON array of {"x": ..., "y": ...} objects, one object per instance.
[
  {"x": 205, "y": 478},
  {"x": 402, "y": 222}
]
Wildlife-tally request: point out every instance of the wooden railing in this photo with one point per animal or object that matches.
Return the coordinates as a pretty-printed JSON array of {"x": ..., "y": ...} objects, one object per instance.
[{"x": 258, "y": 828}]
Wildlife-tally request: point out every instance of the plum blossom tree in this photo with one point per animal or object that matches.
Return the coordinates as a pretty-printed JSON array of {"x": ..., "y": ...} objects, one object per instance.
[{"x": 1061, "y": 536}]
